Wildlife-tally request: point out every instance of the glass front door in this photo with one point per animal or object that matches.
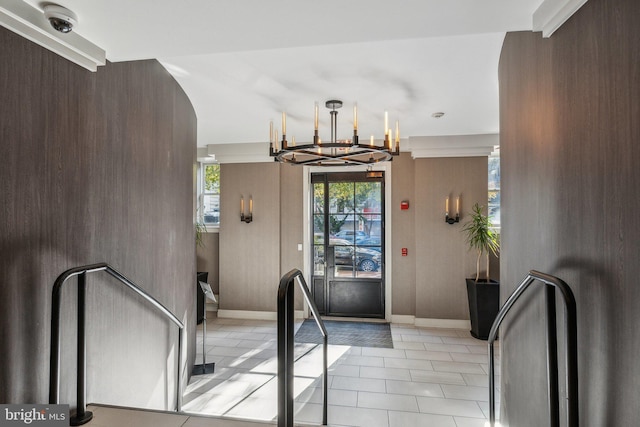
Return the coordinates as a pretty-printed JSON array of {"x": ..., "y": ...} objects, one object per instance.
[{"x": 348, "y": 244}]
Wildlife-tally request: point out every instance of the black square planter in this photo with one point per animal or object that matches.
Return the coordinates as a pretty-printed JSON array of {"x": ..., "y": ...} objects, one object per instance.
[{"x": 484, "y": 304}]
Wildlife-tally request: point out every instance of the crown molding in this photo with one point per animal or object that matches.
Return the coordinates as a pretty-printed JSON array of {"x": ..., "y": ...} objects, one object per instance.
[
  {"x": 30, "y": 23},
  {"x": 481, "y": 145},
  {"x": 553, "y": 13},
  {"x": 255, "y": 152}
]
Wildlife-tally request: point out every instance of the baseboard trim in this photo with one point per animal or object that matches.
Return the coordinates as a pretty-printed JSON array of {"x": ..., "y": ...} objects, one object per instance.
[
  {"x": 253, "y": 315},
  {"x": 403, "y": 319},
  {"x": 443, "y": 323},
  {"x": 400, "y": 319}
]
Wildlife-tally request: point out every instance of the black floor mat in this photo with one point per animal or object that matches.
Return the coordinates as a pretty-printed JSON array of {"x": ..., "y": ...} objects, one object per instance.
[{"x": 358, "y": 334}]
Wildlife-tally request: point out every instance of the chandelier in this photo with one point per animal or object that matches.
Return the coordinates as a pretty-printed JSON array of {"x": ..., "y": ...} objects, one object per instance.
[{"x": 337, "y": 152}]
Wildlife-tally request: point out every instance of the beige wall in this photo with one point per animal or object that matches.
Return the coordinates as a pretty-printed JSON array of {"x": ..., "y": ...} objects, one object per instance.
[
  {"x": 428, "y": 283},
  {"x": 208, "y": 258},
  {"x": 403, "y": 236},
  {"x": 249, "y": 253},
  {"x": 291, "y": 217}
]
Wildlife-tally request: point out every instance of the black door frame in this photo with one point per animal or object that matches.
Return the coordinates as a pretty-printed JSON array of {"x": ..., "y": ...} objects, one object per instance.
[{"x": 371, "y": 290}]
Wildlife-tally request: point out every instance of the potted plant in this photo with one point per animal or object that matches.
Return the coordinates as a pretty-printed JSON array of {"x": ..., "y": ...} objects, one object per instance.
[
  {"x": 200, "y": 229},
  {"x": 483, "y": 294}
]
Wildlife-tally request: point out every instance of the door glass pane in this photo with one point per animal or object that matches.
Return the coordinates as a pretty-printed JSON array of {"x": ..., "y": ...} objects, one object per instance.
[
  {"x": 318, "y": 229},
  {"x": 350, "y": 226},
  {"x": 318, "y": 213},
  {"x": 318, "y": 198},
  {"x": 344, "y": 258},
  {"x": 368, "y": 210},
  {"x": 341, "y": 208},
  {"x": 318, "y": 260}
]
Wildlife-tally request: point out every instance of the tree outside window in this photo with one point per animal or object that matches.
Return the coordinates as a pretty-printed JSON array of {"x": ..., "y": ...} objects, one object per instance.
[
  {"x": 494, "y": 191},
  {"x": 210, "y": 197}
]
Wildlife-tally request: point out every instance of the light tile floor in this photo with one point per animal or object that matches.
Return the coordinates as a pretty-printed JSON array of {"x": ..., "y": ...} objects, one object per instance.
[{"x": 435, "y": 377}]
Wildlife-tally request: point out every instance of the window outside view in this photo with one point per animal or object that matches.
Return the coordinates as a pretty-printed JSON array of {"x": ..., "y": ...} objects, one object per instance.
[
  {"x": 355, "y": 228},
  {"x": 494, "y": 191},
  {"x": 210, "y": 199}
]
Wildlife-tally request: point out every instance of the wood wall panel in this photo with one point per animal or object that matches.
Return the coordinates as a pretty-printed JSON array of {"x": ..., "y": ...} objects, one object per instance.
[
  {"x": 97, "y": 168},
  {"x": 249, "y": 253},
  {"x": 209, "y": 258},
  {"x": 443, "y": 260},
  {"x": 569, "y": 145},
  {"x": 403, "y": 235}
]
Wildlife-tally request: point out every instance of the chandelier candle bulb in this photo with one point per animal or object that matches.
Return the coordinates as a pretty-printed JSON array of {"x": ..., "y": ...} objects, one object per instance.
[
  {"x": 371, "y": 143},
  {"x": 271, "y": 131},
  {"x": 284, "y": 123},
  {"x": 316, "y": 118},
  {"x": 386, "y": 123},
  {"x": 355, "y": 118}
]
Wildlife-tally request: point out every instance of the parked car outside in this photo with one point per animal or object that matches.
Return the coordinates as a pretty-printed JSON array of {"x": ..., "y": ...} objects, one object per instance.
[
  {"x": 372, "y": 243},
  {"x": 212, "y": 217},
  {"x": 350, "y": 235},
  {"x": 365, "y": 259}
]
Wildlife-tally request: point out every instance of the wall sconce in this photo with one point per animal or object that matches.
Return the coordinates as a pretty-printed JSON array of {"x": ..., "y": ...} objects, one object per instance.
[
  {"x": 243, "y": 217},
  {"x": 451, "y": 220}
]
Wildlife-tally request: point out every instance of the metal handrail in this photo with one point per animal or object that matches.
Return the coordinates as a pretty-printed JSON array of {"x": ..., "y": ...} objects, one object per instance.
[
  {"x": 285, "y": 347},
  {"x": 571, "y": 347},
  {"x": 82, "y": 415}
]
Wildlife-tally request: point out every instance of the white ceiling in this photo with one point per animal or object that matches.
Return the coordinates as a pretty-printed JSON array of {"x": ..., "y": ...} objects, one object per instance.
[{"x": 244, "y": 62}]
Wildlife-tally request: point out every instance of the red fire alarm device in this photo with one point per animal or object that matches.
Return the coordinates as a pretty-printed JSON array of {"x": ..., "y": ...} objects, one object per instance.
[
  {"x": 405, "y": 252},
  {"x": 404, "y": 205}
]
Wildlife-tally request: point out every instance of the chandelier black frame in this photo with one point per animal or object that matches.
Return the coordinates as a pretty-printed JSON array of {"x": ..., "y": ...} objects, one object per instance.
[{"x": 337, "y": 152}]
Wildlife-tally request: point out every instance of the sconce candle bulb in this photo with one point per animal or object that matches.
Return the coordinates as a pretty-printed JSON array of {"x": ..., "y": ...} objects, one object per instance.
[
  {"x": 452, "y": 220},
  {"x": 246, "y": 218}
]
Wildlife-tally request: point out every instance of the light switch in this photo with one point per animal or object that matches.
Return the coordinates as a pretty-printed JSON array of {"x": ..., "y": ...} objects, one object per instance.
[{"x": 299, "y": 247}]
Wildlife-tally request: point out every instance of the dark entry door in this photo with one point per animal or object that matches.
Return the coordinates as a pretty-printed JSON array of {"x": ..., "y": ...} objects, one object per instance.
[{"x": 348, "y": 244}]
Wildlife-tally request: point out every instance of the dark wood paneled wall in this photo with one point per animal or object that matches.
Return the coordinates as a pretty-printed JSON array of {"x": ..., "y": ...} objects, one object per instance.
[
  {"x": 570, "y": 132},
  {"x": 96, "y": 167}
]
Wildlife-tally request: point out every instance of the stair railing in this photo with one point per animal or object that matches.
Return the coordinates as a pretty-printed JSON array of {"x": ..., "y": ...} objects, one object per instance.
[
  {"x": 571, "y": 347},
  {"x": 83, "y": 416},
  {"x": 285, "y": 347}
]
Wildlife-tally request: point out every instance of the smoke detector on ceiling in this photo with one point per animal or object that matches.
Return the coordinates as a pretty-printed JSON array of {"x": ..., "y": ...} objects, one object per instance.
[{"x": 60, "y": 18}]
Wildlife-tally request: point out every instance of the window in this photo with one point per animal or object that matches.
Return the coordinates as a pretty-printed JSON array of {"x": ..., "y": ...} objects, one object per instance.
[
  {"x": 210, "y": 194},
  {"x": 494, "y": 190}
]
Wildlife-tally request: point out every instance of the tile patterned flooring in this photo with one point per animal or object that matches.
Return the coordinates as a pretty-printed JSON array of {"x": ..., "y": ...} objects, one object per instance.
[{"x": 434, "y": 377}]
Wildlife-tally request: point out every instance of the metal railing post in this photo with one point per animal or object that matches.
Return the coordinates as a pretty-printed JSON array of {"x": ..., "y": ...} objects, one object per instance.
[
  {"x": 571, "y": 347},
  {"x": 286, "y": 343},
  {"x": 82, "y": 415},
  {"x": 553, "y": 391},
  {"x": 285, "y": 354}
]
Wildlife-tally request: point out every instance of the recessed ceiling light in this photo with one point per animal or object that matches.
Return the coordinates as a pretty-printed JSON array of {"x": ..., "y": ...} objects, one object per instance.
[{"x": 437, "y": 115}]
